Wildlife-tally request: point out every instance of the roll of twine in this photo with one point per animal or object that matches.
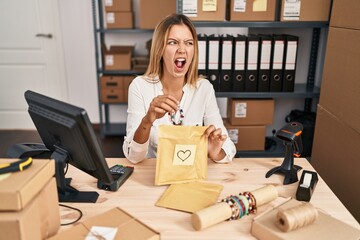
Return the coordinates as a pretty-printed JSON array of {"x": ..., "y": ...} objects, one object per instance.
[{"x": 296, "y": 217}]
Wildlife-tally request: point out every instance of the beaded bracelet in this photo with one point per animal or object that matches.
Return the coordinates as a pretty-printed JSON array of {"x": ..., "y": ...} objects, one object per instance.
[
  {"x": 181, "y": 117},
  {"x": 245, "y": 202},
  {"x": 233, "y": 207}
]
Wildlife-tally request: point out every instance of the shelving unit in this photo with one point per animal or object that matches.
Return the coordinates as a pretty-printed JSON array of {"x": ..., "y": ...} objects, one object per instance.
[{"x": 307, "y": 91}]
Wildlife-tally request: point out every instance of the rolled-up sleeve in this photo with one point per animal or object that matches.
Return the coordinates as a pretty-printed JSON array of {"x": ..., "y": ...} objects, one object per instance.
[{"x": 134, "y": 151}]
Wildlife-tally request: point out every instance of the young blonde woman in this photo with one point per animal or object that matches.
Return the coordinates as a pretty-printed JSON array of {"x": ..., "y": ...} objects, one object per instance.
[{"x": 171, "y": 92}]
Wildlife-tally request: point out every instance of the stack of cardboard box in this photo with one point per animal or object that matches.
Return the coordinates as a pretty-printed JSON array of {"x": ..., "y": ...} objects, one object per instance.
[
  {"x": 118, "y": 14},
  {"x": 337, "y": 131},
  {"x": 114, "y": 89},
  {"x": 247, "y": 120},
  {"x": 29, "y": 202}
]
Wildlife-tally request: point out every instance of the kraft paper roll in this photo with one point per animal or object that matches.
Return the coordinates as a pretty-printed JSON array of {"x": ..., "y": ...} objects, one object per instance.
[
  {"x": 211, "y": 215},
  {"x": 221, "y": 211},
  {"x": 265, "y": 194}
]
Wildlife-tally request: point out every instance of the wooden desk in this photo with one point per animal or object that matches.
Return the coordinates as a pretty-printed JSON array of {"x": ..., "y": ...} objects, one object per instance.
[{"x": 138, "y": 196}]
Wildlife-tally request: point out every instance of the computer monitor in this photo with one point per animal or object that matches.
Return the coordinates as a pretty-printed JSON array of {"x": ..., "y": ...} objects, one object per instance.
[{"x": 67, "y": 132}]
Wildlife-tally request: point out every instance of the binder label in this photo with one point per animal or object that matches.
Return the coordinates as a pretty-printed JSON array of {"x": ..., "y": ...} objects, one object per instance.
[
  {"x": 291, "y": 55},
  {"x": 240, "y": 110},
  {"x": 240, "y": 56},
  {"x": 213, "y": 54},
  {"x": 278, "y": 55},
  {"x": 253, "y": 55},
  {"x": 265, "y": 55},
  {"x": 239, "y": 5},
  {"x": 226, "y": 55},
  {"x": 202, "y": 55},
  {"x": 292, "y": 10}
]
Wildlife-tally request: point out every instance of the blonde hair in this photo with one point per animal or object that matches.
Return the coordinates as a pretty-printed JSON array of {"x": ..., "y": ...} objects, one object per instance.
[{"x": 155, "y": 69}]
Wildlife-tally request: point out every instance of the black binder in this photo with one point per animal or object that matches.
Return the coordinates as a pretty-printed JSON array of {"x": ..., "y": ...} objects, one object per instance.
[
  {"x": 213, "y": 60},
  {"x": 264, "y": 63},
  {"x": 291, "y": 46},
  {"x": 239, "y": 50},
  {"x": 226, "y": 52},
  {"x": 252, "y": 57},
  {"x": 277, "y": 60},
  {"x": 202, "y": 43}
]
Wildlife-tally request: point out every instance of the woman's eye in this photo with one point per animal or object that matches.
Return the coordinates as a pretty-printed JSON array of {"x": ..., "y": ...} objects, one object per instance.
[
  {"x": 172, "y": 42},
  {"x": 189, "y": 43}
]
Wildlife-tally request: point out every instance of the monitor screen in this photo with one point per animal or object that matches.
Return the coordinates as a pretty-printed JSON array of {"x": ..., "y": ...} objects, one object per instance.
[{"x": 67, "y": 132}]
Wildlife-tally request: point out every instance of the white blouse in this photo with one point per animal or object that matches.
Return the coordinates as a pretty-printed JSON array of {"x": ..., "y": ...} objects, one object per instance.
[{"x": 199, "y": 109}]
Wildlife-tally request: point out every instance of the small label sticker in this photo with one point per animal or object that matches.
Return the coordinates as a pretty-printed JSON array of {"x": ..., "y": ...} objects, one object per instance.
[
  {"x": 190, "y": 8},
  {"x": 240, "y": 110},
  {"x": 109, "y": 60},
  {"x": 239, "y": 5},
  {"x": 209, "y": 5},
  {"x": 260, "y": 6},
  {"x": 105, "y": 233},
  {"x": 292, "y": 10},
  {"x": 110, "y": 17},
  {"x": 184, "y": 154},
  {"x": 233, "y": 135},
  {"x": 108, "y": 3}
]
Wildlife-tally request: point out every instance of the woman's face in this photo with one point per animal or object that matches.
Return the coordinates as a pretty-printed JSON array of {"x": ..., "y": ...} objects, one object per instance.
[{"x": 179, "y": 51}]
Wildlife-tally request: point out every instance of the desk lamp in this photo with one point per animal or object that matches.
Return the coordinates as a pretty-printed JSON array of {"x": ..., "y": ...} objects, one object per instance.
[{"x": 291, "y": 136}]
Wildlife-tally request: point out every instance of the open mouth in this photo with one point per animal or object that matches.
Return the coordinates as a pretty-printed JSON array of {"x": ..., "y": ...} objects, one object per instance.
[{"x": 180, "y": 63}]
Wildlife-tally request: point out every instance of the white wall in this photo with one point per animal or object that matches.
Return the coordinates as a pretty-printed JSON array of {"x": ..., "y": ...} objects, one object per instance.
[
  {"x": 79, "y": 52},
  {"x": 77, "y": 28}
]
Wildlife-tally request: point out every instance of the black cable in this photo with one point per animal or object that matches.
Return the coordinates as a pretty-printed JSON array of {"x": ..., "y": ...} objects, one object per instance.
[{"x": 76, "y": 209}]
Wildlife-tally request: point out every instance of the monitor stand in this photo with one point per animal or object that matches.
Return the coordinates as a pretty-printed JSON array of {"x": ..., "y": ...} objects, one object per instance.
[{"x": 66, "y": 192}]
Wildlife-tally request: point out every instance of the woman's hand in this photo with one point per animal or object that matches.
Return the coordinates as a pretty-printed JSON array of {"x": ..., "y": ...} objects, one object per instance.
[
  {"x": 159, "y": 106},
  {"x": 215, "y": 141}
]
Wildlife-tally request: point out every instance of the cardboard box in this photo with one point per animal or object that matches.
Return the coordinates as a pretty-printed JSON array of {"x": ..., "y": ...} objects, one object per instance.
[
  {"x": 148, "y": 19},
  {"x": 250, "y": 111},
  {"x": 252, "y": 11},
  {"x": 122, "y": 20},
  {"x": 325, "y": 227},
  {"x": 114, "y": 89},
  {"x": 207, "y": 11},
  {"x": 340, "y": 88},
  {"x": 17, "y": 190},
  {"x": 118, "y": 57},
  {"x": 345, "y": 13},
  {"x": 305, "y": 10},
  {"x": 336, "y": 155},
  {"x": 128, "y": 227},
  {"x": 140, "y": 63},
  {"x": 247, "y": 138},
  {"x": 39, "y": 219},
  {"x": 112, "y": 95},
  {"x": 117, "y": 5}
]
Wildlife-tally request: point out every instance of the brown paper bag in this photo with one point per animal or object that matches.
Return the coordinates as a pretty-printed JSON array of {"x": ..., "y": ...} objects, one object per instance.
[{"x": 181, "y": 154}]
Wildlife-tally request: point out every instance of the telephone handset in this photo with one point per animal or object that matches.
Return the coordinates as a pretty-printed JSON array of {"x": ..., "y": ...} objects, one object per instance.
[{"x": 34, "y": 150}]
